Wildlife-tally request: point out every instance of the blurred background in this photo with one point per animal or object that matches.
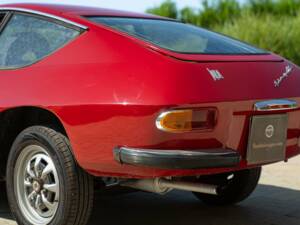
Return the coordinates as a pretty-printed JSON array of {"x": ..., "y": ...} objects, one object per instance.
[{"x": 269, "y": 24}]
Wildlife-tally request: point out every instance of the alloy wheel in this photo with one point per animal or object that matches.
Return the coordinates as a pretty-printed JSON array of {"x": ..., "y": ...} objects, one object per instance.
[{"x": 36, "y": 185}]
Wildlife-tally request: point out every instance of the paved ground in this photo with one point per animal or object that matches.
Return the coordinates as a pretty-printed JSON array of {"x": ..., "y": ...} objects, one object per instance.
[{"x": 275, "y": 202}]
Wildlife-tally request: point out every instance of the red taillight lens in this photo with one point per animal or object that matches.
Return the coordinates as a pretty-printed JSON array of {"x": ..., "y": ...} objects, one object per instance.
[{"x": 185, "y": 120}]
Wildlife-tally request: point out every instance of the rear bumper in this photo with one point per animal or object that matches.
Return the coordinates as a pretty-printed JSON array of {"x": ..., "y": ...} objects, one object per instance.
[{"x": 178, "y": 159}]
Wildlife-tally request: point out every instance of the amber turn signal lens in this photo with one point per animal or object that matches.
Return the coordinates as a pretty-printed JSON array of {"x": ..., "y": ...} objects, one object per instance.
[{"x": 186, "y": 120}]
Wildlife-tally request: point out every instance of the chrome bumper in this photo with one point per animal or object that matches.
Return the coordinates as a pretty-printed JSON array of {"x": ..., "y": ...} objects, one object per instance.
[{"x": 178, "y": 159}]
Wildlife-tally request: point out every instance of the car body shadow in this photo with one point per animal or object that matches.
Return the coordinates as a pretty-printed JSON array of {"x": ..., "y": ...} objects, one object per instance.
[{"x": 268, "y": 205}]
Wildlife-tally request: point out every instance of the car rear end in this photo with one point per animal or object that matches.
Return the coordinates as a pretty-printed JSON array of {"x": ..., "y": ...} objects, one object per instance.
[{"x": 236, "y": 106}]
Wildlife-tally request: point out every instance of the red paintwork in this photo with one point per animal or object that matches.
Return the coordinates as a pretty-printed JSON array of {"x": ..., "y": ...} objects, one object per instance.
[{"x": 107, "y": 90}]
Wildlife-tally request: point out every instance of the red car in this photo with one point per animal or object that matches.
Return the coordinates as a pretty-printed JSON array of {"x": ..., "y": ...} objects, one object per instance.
[{"x": 114, "y": 98}]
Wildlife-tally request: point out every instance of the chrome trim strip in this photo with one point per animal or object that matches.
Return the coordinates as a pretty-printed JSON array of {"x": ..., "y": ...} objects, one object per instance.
[
  {"x": 44, "y": 14},
  {"x": 163, "y": 115},
  {"x": 276, "y": 105},
  {"x": 177, "y": 159},
  {"x": 159, "y": 119}
]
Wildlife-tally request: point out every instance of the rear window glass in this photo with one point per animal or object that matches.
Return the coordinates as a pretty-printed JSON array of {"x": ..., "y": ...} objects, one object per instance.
[{"x": 178, "y": 37}]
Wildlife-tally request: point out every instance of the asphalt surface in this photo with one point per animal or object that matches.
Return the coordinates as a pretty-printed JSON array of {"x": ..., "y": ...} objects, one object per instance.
[{"x": 275, "y": 202}]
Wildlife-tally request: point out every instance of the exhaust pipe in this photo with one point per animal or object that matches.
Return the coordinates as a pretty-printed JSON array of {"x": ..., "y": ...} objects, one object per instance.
[{"x": 163, "y": 186}]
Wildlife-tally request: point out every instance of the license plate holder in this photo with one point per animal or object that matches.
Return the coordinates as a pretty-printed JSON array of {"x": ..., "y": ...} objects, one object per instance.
[{"x": 267, "y": 139}]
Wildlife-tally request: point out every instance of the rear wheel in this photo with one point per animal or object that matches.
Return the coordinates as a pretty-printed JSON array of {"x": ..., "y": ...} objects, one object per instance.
[
  {"x": 44, "y": 183},
  {"x": 233, "y": 187}
]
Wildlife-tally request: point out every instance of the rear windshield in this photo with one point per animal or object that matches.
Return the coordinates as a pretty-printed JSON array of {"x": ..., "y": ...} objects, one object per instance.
[{"x": 178, "y": 37}]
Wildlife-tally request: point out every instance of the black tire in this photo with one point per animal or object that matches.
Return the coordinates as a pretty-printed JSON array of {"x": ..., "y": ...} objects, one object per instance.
[
  {"x": 233, "y": 187},
  {"x": 75, "y": 185}
]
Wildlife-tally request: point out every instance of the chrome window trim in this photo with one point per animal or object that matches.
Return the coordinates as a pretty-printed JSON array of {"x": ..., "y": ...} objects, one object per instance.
[
  {"x": 39, "y": 13},
  {"x": 276, "y": 105},
  {"x": 5, "y": 20}
]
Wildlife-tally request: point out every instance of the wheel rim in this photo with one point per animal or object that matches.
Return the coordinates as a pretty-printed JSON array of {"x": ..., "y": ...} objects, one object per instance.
[{"x": 36, "y": 185}]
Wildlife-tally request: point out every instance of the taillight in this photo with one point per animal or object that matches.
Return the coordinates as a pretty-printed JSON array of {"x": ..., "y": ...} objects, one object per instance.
[{"x": 185, "y": 120}]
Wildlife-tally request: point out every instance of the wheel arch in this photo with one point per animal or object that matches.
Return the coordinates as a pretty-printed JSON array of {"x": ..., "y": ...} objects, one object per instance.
[{"x": 15, "y": 120}]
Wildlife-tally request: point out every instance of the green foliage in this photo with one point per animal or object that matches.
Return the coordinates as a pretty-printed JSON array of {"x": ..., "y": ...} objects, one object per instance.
[
  {"x": 218, "y": 12},
  {"x": 268, "y": 24},
  {"x": 167, "y": 9},
  {"x": 279, "y": 7},
  {"x": 279, "y": 36},
  {"x": 211, "y": 13},
  {"x": 189, "y": 15}
]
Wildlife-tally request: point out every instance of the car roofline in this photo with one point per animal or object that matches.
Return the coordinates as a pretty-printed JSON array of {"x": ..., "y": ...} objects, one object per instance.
[
  {"x": 79, "y": 10},
  {"x": 36, "y": 12}
]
